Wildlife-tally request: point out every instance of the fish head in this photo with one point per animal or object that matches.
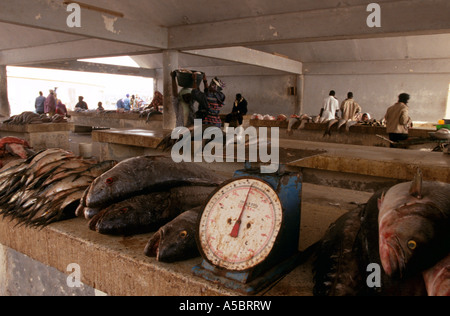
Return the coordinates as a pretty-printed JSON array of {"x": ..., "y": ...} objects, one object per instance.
[
  {"x": 173, "y": 242},
  {"x": 411, "y": 238}
]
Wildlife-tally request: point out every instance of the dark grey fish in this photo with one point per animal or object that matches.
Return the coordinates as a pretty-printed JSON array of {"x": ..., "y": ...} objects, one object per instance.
[
  {"x": 337, "y": 268},
  {"x": 145, "y": 174},
  {"x": 136, "y": 215},
  {"x": 147, "y": 213},
  {"x": 176, "y": 240}
]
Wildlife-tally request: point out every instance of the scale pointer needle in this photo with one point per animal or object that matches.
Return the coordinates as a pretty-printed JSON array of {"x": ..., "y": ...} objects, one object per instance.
[{"x": 237, "y": 226}]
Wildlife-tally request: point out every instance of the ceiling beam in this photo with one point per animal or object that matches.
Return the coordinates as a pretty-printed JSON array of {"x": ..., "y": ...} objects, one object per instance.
[
  {"x": 97, "y": 68},
  {"x": 53, "y": 15},
  {"x": 87, "y": 48},
  {"x": 384, "y": 67},
  {"x": 398, "y": 18},
  {"x": 251, "y": 57}
]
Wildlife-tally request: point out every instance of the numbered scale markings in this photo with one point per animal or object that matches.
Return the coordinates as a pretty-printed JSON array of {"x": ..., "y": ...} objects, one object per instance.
[{"x": 240, "y": 224}]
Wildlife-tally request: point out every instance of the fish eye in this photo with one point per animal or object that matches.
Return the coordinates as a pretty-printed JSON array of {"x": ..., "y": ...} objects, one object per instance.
[
  {"x": 109, "y": 181},
  {"x": 183, "y": 234},
  {"x": 412, "y": 245}
]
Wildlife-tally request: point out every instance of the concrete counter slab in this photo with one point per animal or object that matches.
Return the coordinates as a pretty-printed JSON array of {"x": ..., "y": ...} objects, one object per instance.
[
  {"x": 121, "y": 144},
  {"x": 118, "y": 266},
  {"x": 115, "y": 120},
  {"x": 363, "y": 135},
  {"x": 390, "y": 163},
  {"x": 40, "y": 136},
  {"x": 130, "y": 137}
]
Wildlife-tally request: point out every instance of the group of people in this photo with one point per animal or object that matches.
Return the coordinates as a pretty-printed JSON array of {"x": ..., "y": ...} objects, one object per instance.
[
  {"x": 210, "y": 102},
  {"x": 51, "y": 105},
  {"x": 397, "y": 117},
  {"x": 348, "y": 110},
  {"x": 129, "y": 103}
]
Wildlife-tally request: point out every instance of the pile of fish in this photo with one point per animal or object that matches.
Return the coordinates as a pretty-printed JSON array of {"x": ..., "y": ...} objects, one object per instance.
[
  {"x": 33, "y": 118},
  {"x": 141, "y": 194},
  {"x": 46, "y": 187},
  {"x": 405, "y": 230}
]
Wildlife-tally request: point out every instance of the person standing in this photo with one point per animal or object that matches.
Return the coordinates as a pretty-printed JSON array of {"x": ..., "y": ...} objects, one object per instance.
[
  {"x": 330, "y": 107},
  {"x": 127, "y": 103},
  {"x": 120, "y": 106},
  {"x": 183, "y": 104},
  {"x": 397, "y": 119},
  {"x": 350, "y": 108},
  {"x": 240, "y": 108},
  {"x": 210, "y": 101},
  {"x": 39, "y": 104},
  {"x": 50, "y": 104}
]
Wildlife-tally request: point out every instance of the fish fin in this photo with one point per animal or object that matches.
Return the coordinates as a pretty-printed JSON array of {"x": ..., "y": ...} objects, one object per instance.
[
  {"x": 380, "y": 200},
  {"x": 416, "y": 186}
]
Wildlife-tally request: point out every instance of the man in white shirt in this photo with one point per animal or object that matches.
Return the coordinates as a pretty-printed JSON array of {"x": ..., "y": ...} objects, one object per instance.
[{"x": 330, "y": 107}]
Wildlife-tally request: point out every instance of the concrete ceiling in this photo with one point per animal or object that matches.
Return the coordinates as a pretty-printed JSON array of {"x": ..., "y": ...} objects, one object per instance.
[{"x": 209, "y": 33}]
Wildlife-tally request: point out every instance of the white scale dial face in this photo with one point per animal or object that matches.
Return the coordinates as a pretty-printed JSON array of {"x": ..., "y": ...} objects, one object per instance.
[{"x": 240, "y": 224}]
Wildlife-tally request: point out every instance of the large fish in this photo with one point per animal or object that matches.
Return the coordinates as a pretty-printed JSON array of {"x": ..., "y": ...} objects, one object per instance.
[
  {"x": 147, "y": 213},
  {"x": 368, "y": 241},
  {"x": 344, "y": 254},
  {"x": 414, "y": 222},
  {"x": 144, "y": 174},
  {"x": 337, "y": 269},
  {"x": 437, "y": 279},
  {"x": 176, "y": 240},
  {"x": 136, "y": 215}
]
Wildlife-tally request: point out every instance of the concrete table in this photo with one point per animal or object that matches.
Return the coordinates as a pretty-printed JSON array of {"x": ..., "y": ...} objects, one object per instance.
[
  {"x": 115, "y": 120},
  {"x": 40, "y": 136},
  {"x": 120, "y": 144}
]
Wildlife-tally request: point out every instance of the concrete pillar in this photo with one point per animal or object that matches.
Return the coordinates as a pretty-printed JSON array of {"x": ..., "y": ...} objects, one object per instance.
[
  {"x": 170, "y": 63},
  {"x": 299, "y": 106},
  {"x": 5, "y": 109}
]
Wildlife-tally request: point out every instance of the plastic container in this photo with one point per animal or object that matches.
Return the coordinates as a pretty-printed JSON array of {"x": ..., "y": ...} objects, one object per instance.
[
  {"x": 85, "y": 150},
  {"x": 185, "y": 79},
  {"x": 447, "y": 126}
]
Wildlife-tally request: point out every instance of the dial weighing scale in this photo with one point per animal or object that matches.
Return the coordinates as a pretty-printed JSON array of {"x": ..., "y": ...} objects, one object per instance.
[{"x": 249, "y": 230}]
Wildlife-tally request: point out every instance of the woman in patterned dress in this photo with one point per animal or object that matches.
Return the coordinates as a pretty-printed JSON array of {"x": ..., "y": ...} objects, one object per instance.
[{"x": 210, "y": 101}]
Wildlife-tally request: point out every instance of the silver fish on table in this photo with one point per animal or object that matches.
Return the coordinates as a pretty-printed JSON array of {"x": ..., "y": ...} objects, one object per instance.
[
  {"x": 175, "y": 241},
  {"x": 47, "y": 187}
]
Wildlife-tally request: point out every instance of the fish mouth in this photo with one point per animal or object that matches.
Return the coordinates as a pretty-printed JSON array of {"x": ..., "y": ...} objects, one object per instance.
[
  {"x": 392, "y": 256},
  {"x": 152, "y": 248}
]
